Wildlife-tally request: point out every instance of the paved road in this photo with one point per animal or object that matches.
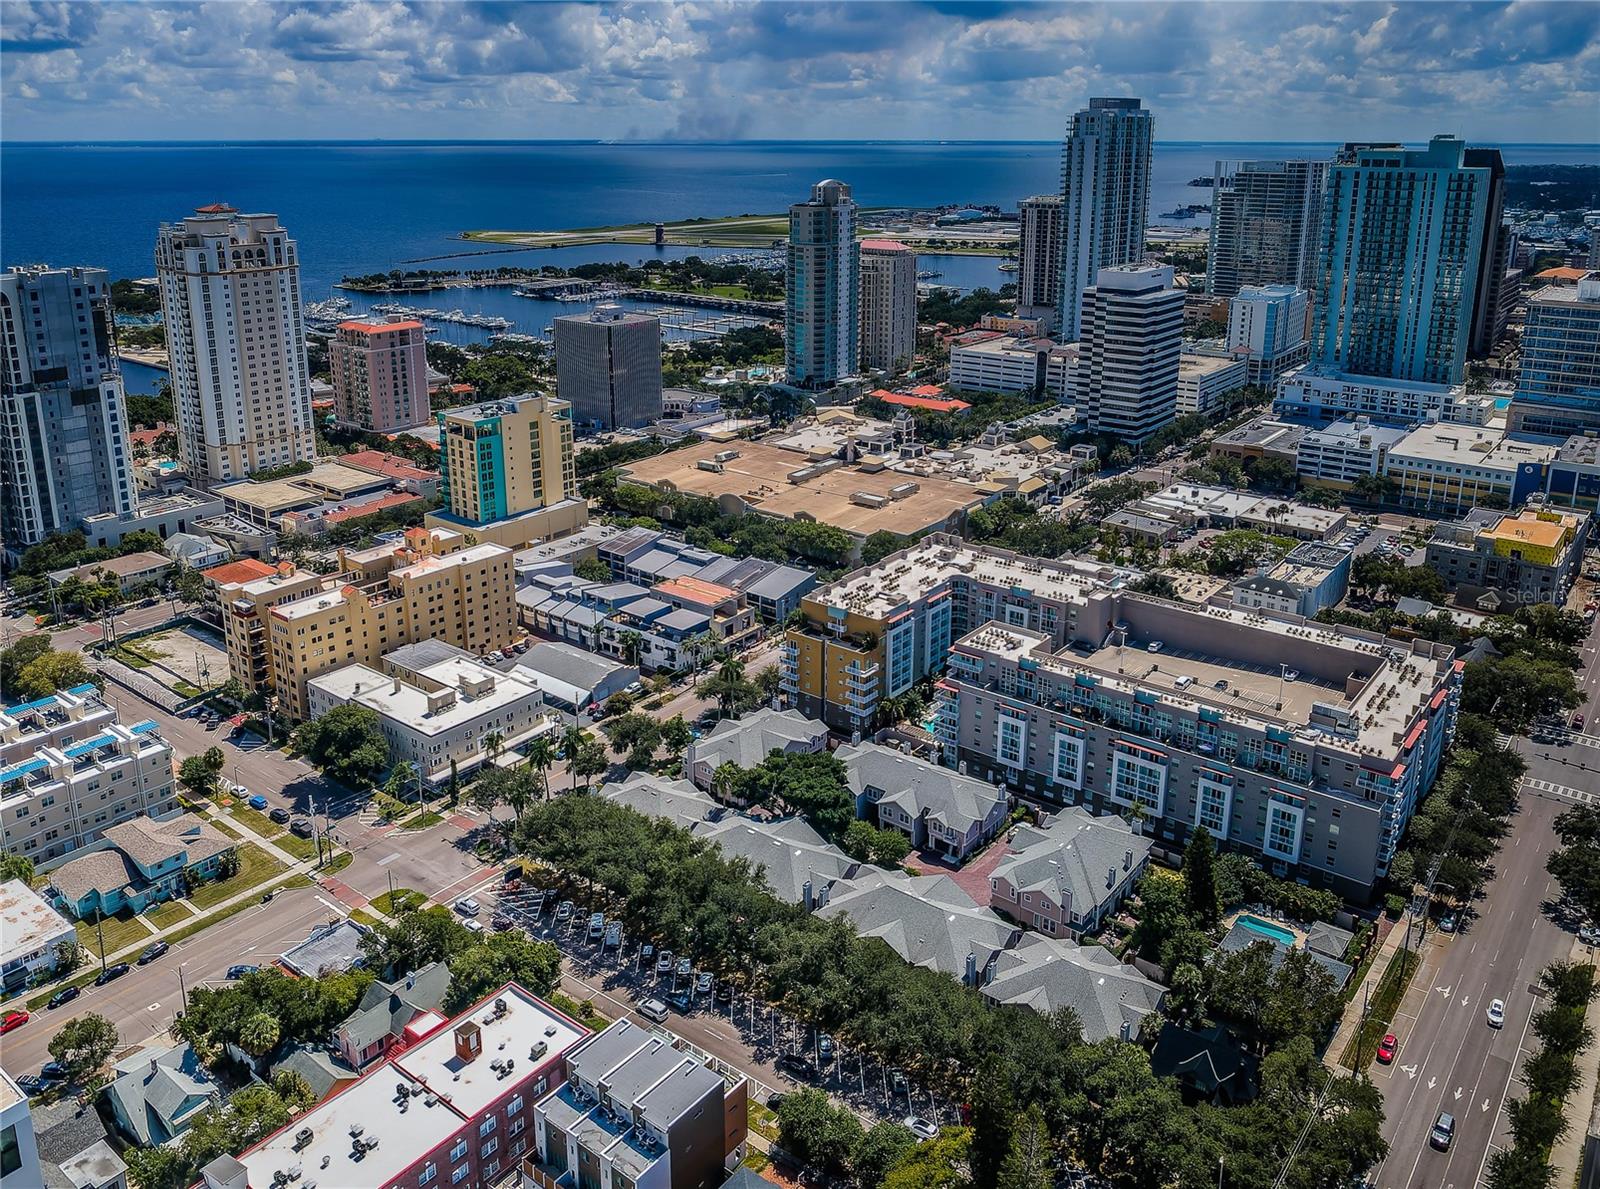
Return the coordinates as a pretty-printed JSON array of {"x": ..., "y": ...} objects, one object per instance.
[
  {"x": 143, "y": 1001},
  {"x": 1450, "y": 1059}
]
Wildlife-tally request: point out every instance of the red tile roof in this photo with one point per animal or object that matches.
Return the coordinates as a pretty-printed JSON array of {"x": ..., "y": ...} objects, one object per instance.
[
  {"x": 360, "y": 327},
  {"x": 216, "y": 208},
  {"x": 883, "y": 245},
  {"x": 927, "y": 390},
  {"x": 246, "y": 569},
  {"x": 949, "y": 405},
  {"x": 393, "y": 500},
  {"x": 389, "y": 465}
]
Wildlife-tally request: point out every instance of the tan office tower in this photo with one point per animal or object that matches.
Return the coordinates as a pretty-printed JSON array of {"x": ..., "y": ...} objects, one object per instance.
[
  {"x": 888, "y": 305},
  {"x": 1039, "y": 258},
  {"x": 380, "y": 374},
  {"x": 230, "y": 294}
]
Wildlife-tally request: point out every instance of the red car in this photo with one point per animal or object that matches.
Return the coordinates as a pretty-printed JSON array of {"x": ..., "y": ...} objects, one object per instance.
[
  {"x": 1577, "y": 722},
  {"x": 1386, "y": 1048},
  {"x": 15, "y": 1019}
]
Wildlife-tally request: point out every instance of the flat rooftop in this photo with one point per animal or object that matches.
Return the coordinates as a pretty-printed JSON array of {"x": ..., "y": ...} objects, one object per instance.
[
  {"x": 409, "y": 705},
  {"x": 31, "y": 923},
  {"x": 370, "y": 1108},
  {"x": 757, "y": 477},
  {"x": 912, "y": 573},
  {"x": 1474, "y": 445}
]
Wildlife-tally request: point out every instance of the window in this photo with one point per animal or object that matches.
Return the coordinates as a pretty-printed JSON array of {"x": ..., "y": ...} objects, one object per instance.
[
  {"x": 489, "y": 1149},
  {"x": 1136, "y": 781},
  {"x": 1285, "y": 821},
  {"x": 1213, "y": 806},
  {"x": 460, "y": 1150},
  {"x": 429, "y": 1171},
  {"x": 1069, "y": 760},
  {"x": 460, "y": 1174},
  {"x": 488, "y": 1125},
  {"x": 1009, "y": 740}
]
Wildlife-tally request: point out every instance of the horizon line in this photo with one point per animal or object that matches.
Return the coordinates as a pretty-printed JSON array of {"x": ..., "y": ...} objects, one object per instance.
[{"x": 70, "y": 142}]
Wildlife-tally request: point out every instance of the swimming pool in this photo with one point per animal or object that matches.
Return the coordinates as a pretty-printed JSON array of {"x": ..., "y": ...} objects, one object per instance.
[{"x": 1268, "y": 930}]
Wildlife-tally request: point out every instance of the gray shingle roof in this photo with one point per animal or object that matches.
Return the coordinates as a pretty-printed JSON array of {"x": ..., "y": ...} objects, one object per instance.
[
  {"x": 928, "y": 920},
  {"x": 159, "y": 1102},
  {"x": 321, "y": 1070},
  {"x": 916, "y": 786},
  {"x": 789, "y": 863},
  {"x": 1048, "y": 975},
  {"x": 1071, "y": 855},
  {"x": 386, "y": 1008},
  {"x": 747, "y": 741},
  {"x": 330, "y": 947},
  {"x": 676, "y": 801},
  {"x": 99, "y": 871},
  {"x": 1239, "y": 938},
  {"x": 148, "y": 842}
]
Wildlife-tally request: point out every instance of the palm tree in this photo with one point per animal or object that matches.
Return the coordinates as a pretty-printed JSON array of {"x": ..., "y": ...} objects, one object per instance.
[
  {"x": 699, "y": 647},
  {"x": 731, "y": 670},
  {"x": 571, "y": 747},
  {"x": 541, "y": 754},
  {"x": 725, "y": 779},
  {"x": 493, "y": 741},
  {"x": 632, "y": 647},
  {"x": 258, "y": 1034}
]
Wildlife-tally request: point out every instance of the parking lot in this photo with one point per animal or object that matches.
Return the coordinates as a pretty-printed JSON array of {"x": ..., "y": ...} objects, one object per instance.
[{"x": 716, "y": 1016}]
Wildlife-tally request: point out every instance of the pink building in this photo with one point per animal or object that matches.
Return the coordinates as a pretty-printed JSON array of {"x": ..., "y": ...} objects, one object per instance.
[{"x": 380, "y": 375}]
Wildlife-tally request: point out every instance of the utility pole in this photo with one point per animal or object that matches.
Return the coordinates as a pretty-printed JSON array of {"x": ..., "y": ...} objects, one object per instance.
[
  {"x": 182, "y": 988},
  {"x": 100, "y": 934}
]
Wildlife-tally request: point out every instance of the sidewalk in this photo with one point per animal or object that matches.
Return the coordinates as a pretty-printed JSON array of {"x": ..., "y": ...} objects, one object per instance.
[
  {"x": 1581, "y": 1108},
  {"x": 1351, "y": 1021}
]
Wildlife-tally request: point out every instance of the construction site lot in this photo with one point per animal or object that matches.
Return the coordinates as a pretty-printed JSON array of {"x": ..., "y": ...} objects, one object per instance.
[{"x": 188, "y": 659}]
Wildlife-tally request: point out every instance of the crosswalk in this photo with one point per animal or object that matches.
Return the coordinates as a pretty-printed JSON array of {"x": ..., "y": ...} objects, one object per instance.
[
  {"x": 1560, "y": 738},
  {"x": 1565, "y": 792}
]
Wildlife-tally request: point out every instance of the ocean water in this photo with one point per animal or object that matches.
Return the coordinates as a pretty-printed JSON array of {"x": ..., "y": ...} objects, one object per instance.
[{"x": 370, "y": 207}]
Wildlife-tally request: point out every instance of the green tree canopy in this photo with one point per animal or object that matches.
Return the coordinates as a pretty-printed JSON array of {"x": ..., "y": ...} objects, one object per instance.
[{"x": 347, "y": 743}]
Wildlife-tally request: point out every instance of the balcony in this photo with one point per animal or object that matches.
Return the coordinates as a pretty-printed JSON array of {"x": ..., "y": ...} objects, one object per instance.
[{"x": 542, "y": 1176}]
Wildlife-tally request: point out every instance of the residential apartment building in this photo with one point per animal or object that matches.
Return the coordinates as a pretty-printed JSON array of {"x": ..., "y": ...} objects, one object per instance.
[
  {"x": 442, "y": 718},
  {"x": 875, "y": 632},
  {"x": 1399, "y": 255},
  {"x": 888, "y": 305},
  {"x": 1132, "y": 333},
  {"x": 822, "y": 307},
  {"x": 988, "y": 361},
  {"x": 1304, "y": 746},
  {"x": 1203, "y": 380},
  {"x": 945, "y": 814},
  {"x": 380, "y": 375},
  {"x": 1558, "y": 388},
  {"x": 35, "y": 932},
  {"x": 1267, "y": 325},
  {"x": 454, "y": 1108},
  {"x": 1520, "y": 558},
  {"x": 245, "y": 604},
  {"x": 608, "y": 367},
  {"x": 1039, "y": 258},
  {"x": 1326, "y": 396},
  {"x": 1065, "y": 877},
  {"x": 63, "y": 424},
  {"x": 1105, "y": 199},
  {"x": 66, "y": 792},
  {"x": 230, "y": 298},
  {"x": 429, "y": 588},
  {"x": 1443, "y": 467},
  {"x": 748, "y": 740},
  {"x": 1348, "y": 450},
  {"x": 506, "y": 471},
  {"x": 1265, "y": 220},
  {"x": 1494, "y": 256},
  {"x": 637, "y": 1113}
]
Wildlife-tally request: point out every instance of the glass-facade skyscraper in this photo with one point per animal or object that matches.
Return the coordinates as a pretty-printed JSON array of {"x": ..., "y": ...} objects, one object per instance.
[
  {"x": 64, "y": 451},
  {"x": 1558, "y": 389},
  {"x": 1399, "y": 254},
  {"x": 822, "y": 309},
  {"x": 1265, "y": 219},
  {"x": 1105, "y": 199}
]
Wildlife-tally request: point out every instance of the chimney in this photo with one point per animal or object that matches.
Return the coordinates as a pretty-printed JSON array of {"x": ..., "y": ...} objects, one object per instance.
[
  {"x": 805, "y": 895},
  {"x": 397, "y": 683},
  {"x": 285, "y": 568},
  {"x": 469, "y": 1042},
  {"x": 972, "y": 969},
  {"x": 1127, "y": 860},
  {"x": 1111, "y": 877}
]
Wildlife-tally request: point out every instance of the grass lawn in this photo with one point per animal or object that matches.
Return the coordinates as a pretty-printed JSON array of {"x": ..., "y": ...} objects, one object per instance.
[
  {"x": 164, "y": 916},
  {"x": 338, "y": 863},
  {"x": 256, "y": 866},
  {"x": 584, "y": 1012},
  {"x": 391, "y": 904},
  {"x": 1380, "y": 1011},
  {"x": 764, "y": 1121},
  {"x": 223, "y": 827},
  {"x": 300, "y": 848},
  {"x": 421, "y": 820},
  {"x": 253, "y": 819},
  {"x": 362, "y": 917},
  {"x": 120, "y": 931}
]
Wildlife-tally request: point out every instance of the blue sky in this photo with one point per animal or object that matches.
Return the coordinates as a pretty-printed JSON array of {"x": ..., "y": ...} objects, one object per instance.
[{"x": 257, "y": 69}]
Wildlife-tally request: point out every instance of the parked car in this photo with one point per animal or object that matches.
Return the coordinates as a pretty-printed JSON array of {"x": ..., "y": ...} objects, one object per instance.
[
  {"x": 14, "y": 1019},
  {"x": 824, "y": 1048},
  {"x": 65, "y": 995},
  {"x": 1386, "y": 1048},
  {"x": 664, "y": 963},
  {"x": 898, "y": 1084},
  {"x": 30, "y": 1085},
  {"x": 1155, "y": 646},
  {"x": 653, "y": 1009},
  {"x": 685, "y": 967},
  {"x": 111, "y": 973},
  {"x": 301, "y": 827},
  {"x": 797, "y": 1067},
  {"x": 1589, "y": 935},
  {"x": 597, "y": 926},
  {"x": 702, "y": 983},
  {"x": 257, "y": 801},
  {"x": 920, "y": 1127},
  {"x": 473, "y": 926},
  {"x": 1444, "y": 1130},
  {"x": 563, "y": 912},
  {"x": 1577, "y": 721},
  {"x": 241, "y": 970},
  {"x": 1497, "y": 1013},
  {"x": 53, "y": 1071},
  {"x": 724, "y": 992},
  {"x": 279, "y": 815},
  {"x": 647, "y": 956},
  {"x": 468, "y": 907},
  {"x": 500, "y": 921},
  {"x": 1447, "y": 923},
  {"x": 152, "y": 951},
  {"x": 613, "y": 937}
]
